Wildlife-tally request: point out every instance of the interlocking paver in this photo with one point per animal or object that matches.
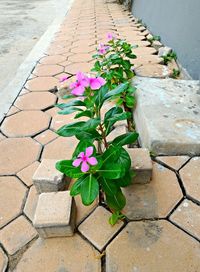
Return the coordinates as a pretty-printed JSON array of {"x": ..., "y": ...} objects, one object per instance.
[
  {"x": 190, "y": 175},
  {"x": 25, "y": 123},
  {"x": 135, "y": 248},
  {"x": 26, "y": 174},
  {"x": 31, "y": 203},
  {"x": 36, "y": 101},
  {"x": 153, "y": 200},
  {"x": 46, "y": 137},
  {"x": 73, "y": 68},
  {"x": 17, "y": 153},
  {"x": 12, "y": 111},
  {"x": 60, "y": 254},
  {"x": 56, "y": 59},
  {"x": 153, "y": 70},
  {"x": 174, "y": 162},
  {"x": 12, "y": 195},
  {"x": 105, "y": 232},
  {"x": 3, "y": 260},
  {"x": 41, "y": 84},
  {"x": 47, "y": 70},
  {"x": 187, "y": 216},
  {"x": 17, "y": 234}
]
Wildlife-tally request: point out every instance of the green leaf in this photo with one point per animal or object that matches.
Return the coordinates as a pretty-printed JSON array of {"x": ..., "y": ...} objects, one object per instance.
[
  {"x": 82, "y": 145},
  {"x": 100, "y": 96},
  {"x": 91, "y": 124},
  {"x": 126, "y": 64},
  {"x": 125, "y": 139},
  {"x": 76, "y": 187},
  {"x": 131, "y": 56},
  {"x": 115, "y": 217},
  {"x": 71, "y": 129},
  {"x": 112, "y": 112},
  {"x": 116, "y": 201},
  {"x": 69, "y": 110},
  {"x": 68, "y": 169},
  {"x": 125, "y": 181},
  {"x": 130, "y": 101},
  {"x": 89, "y": 190},
  {"x": 109, "y": 186},
  {"x": 86, "y": 113},
  {"x": 70, "y": 104},
  {"x": 120, "y": 89}
]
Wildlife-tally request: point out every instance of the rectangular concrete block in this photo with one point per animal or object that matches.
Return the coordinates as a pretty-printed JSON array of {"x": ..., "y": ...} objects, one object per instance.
[
  {"x": 47, "y": 178},
  {"x": 55, "y": 215},
  {"x": 167, "y": 115},
  {"x": 141, "y": 164}
]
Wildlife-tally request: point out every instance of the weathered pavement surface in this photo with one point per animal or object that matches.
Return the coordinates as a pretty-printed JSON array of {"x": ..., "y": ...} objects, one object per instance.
[
  {"x": 21, "y": 25},
  {"x": 162, "y": 233}
]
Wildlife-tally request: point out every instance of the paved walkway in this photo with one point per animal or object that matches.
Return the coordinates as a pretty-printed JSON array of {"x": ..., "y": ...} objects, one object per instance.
[{"x": 162, "y": 233}]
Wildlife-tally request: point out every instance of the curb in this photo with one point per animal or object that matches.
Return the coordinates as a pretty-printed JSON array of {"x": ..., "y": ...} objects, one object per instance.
[{"x": 12, "y": 90}]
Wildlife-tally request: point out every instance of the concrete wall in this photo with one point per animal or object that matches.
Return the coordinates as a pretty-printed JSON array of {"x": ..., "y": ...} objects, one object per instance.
[{"x": 177, "y": 22}]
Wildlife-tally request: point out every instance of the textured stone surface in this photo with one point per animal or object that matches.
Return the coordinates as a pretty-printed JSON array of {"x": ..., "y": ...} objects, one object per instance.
[
  {"x": 47, "y": 70},
  {"x": 187, "y": 216},
  {"x": 135, "y": 248},
  {"x": 190, "y": 175},
  {"x": 153, "y": 200},
  {"x": 60, "y": 254},
  {"x": 31, "y": 203},
  {"x": 12, "y": 195},
  {"x": 47, "y": 178},
  {"x": 17, "y": 234},
  {"x": 99, "y": 218},
  {"x": 35, "y": 101},
  {"x": 25, "y": 123},
  {"x": 167, "y": 116},
  {"x": 60, "y": 149},
  {"x": 152, "y": 70},
  {"x": 141, "y": 164},
  {"x": 174, "y": 162},
  {"x": 41, "y": 84},
  {"x": 46, "y": 137},
  {"x": 55, "y": 215},
  {"x": 3, "y": 261},
  {"x": 26, "y": 174},
  {"x": 12, "y": 149}
]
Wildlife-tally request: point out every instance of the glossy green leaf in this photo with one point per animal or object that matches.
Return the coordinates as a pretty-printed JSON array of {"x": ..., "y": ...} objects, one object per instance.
[
  {"x": 71, "y": 129},
  {"x": 109, "y": 186},
  {"x": 68, "y": 169},
  {"x": 116, "y": 201},
  {"x": 76, "y": 187},
  {"x": 125, "y": 139},
  {"x": 89, "y": 190},
  {"x": 69, "y": 110}
]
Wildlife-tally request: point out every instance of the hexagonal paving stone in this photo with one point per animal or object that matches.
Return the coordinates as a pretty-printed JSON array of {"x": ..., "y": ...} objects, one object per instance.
[
  {"x": 31, "y": 203},
  {"x": 142, "y": 51},
  {"x": 80, "y": 57},
  {"x": 12, "y": 195},
  {"x": 35, "y": 101},
  {"x": 174, "y": 162},
  {"x": 3, "y": 261},
  {"x": 27, "y": 173},
  {"x": 152, "y": 246},
  {"x": 43, "y": 70},
  {"x": 99, "y": 218},
  {"x": 17, "y": 234},
  {"x": 60, "y": 120},
  {"x": 25, "y": 123},
  {"x": 52, "y": 59},
  {"x": 75, "y": 67},
  {"x": 2, "y": 137},
  {"x": 46, "y": 137},
  {"x": 155, "y": 199},
  {"x": 144, "y": 60},
  {"x": 16, "y": 154},
  {"x": 190, "y": 175},
  {"x": 153, "y": 70},
  {"x": 41, "y": 84},
  {"x": 187, "y": 216},
  {"x": 60, "y": 254},
  {"x": 60, "y": 149}
]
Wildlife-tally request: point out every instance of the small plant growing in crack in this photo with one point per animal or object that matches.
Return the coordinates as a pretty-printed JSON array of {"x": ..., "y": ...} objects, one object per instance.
[
  {"x": 169, "y": 57},
  {"x": 101, "y": 167},
  {"x": 154, "y": 38},
  {"x": 176, "y": 73}
]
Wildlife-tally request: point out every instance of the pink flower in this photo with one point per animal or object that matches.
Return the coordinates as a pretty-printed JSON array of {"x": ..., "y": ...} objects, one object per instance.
[
  {"x": 96, "y": 83},
  {"x": 63, "y": 79},
  {"x": 78, "y": 87},
  {"x": 110, "y": 36},
  {"x": 85, "y": 159},
  {"x": 102, "y": 49}
]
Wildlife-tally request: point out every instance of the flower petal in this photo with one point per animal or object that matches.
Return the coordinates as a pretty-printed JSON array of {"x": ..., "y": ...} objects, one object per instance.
[
  {"x": 78, "y": 91},
  {"x": 101, "y": 81},
  {"x": 89, "y": 151},
  {"x": 84, "y": 167},
  {"x": 81, "y": 155},
  {"x": 94, "y": 84},
  {"x": 92, "y": 161},
  {"x": 77, "y": 162}
]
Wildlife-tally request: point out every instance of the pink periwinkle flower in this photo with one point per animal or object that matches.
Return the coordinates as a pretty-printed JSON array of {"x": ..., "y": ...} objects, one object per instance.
[
  {"x": 96, "y": 82},
  {"x": 85, "y": 160},
  {"x": 102, "y": 49},
  {"x": 63, "y": 79},
  {"x": 110, "y": 36},
  {"x": 78, "y": 87}
]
